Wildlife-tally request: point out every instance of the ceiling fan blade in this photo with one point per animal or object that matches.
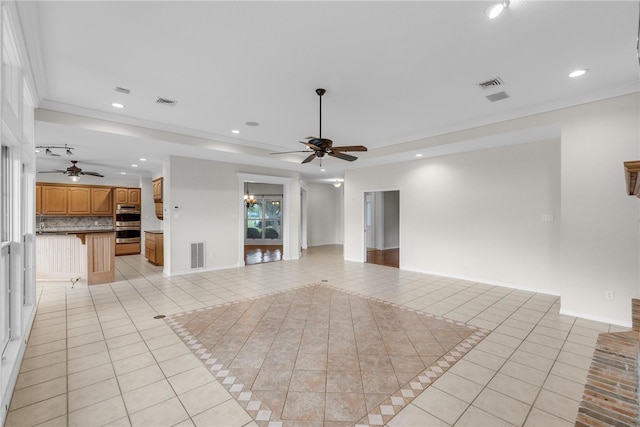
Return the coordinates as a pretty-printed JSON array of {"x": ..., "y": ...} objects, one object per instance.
[
  {"x": 343, "y": 156},
  {"x": 350, "y": 148},
  {"x": 92, "y": 174},
  {"x": 308, "y": 159},
  {"x": 310, "y": 145},
  {"x": 53, "y": 171},
  {"x": 289, "y": 152}
]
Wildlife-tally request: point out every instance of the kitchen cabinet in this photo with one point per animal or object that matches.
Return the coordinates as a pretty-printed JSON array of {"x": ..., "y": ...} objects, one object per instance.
[
  {"x": 74, "y": 200},
  {"x": 79, "y": 201},
  {"x": 38, "y": 199},
  {"x": 157, "y": 190},
  {"x": 54, "y": 200},
  {"x": 102, "y": 201},
  {"x": 128, "y": 196},
  {"x": 154, "y": 247}
]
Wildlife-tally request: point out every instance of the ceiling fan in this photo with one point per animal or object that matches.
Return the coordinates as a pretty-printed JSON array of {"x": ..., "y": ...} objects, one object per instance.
[
  {"x": 322, "y": 146},
  {"x": 74, "y": 171}
]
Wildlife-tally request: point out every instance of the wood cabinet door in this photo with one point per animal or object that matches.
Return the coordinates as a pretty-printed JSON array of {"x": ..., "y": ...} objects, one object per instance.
[
  {"x": 122, "y": 196},
  {"x": 79, "y": 199},
  {"x": 101, "y": 201},
  {"x": 135, "y": 196},
  {"x": 54, "y": 200},
  {"x": 38, "y": 199},
  {"x": 157, "y": 190}
]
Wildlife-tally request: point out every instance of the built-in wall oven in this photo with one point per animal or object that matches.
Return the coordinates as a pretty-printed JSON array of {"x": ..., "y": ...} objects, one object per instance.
[{"x": 127, "y": 224}]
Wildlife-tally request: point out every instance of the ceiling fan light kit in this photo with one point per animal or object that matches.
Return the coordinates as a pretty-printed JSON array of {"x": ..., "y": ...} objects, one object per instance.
[{"x": 323, "y": 146}]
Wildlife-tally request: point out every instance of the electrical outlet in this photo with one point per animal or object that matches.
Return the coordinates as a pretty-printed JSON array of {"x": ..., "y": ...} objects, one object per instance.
[{"x": 609, "y": 295}]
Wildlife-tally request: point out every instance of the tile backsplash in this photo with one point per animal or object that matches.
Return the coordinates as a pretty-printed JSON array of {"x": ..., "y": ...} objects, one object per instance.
[{"x": 65, "y": 223}]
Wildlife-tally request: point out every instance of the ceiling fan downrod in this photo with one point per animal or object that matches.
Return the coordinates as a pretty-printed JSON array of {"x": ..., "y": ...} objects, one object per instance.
[{"x": 320, "y": 92}]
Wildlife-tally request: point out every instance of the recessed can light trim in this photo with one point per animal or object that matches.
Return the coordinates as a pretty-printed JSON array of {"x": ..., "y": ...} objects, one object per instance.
[
  {"x": 117, "y": 105},
  {"x": 578, "y": 73}
]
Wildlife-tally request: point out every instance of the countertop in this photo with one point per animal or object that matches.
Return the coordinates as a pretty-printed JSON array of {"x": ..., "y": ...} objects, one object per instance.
[{"x": 63, "y": 232}]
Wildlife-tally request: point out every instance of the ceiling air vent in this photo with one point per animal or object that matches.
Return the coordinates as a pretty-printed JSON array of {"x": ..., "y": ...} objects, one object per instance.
[
  {"x": 122, "y": 90},
  {"x": 497, "y": 96},
  {"x": 491, "y": 83},
  {"x": 165, "y": 101}
]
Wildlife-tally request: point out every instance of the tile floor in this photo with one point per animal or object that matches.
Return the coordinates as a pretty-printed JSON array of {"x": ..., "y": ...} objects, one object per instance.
[{"x": 97, "y": 356}]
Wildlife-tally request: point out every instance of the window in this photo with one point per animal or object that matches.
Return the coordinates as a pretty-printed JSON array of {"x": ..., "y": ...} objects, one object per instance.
[
  {"x": 5, "y": 245},
  {"x": 264, "y": 219}
]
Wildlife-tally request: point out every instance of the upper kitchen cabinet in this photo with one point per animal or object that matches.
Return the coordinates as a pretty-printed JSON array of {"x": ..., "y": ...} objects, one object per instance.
[
  {"x": 79, "y": 199},
  {"x": 157, "y": 190},
  {"x": 54, "y": 200},
  {"x": 102, "y": 201},
  {"x": 128, "y": 196},
  {"x": 38, "y": 200}
]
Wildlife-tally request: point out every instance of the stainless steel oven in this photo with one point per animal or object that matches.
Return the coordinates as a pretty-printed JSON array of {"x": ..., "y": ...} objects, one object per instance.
[{"x": 128, "y": 224}]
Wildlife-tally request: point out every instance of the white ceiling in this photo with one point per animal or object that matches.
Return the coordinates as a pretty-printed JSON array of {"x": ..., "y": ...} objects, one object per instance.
[{"x": 394, "y": 71}]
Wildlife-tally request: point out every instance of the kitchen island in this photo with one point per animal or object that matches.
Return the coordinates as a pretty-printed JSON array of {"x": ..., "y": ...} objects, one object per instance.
[{"x": 76, "y": 254}]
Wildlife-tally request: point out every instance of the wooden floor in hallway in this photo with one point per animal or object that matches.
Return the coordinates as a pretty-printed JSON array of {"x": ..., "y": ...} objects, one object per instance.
[{"x": 387, "y": 257}]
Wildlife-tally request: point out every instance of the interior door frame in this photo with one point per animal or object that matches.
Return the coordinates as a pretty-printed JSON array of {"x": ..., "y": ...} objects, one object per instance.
[
  {"x": 374, "y": 226},
  {"x": 286, "y": 212}
]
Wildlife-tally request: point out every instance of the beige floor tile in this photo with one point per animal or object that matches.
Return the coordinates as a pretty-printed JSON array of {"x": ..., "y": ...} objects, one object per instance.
[
  {"x": 474, "y": 417},
  {"x": 538, "y": 418},
  {"x": 140, "y": 378},
  {"x": 37, "y": 413},
  {"x": 532, "y": 360},
  {"x": 165, "y": 353},
  {"x": 84, "y": 339},
  {"x": 555, "y": 404},
  {"x": 476, "y": 373},
  {"x": 87, "y": 362},
  {"x": 90, "y": 376},
  {"x": 26, "y": 379},
  {"x": 527, "y": 374},
  {"x": 414, "y": 416},
  {"x": 520, "y": 390},
  {"x": 60, "y": 421},
  {"x": 502, "y": 406},
  {"x": 93, "y": 393},
  {"x": 459, "y": 387},
  {"x": 166, "y": 413},
  {"x": 39, "y": 392},
  {"x": 86, "y": 350},
  {"x": 440, "y": 404},
  {"x": 150, "y": 395},
  {"x": 564, "y": 387},
  {"x": 569, "y": 372},
  {"x": 226, "y": 414},
  {"x": 180, "y": 364},
  {"x": 204, "y": 397},
  {"x": 43, "y": 361},
  {"x": 162, "y": 341},
  {"x": 105, "y": 412},
  {"x": 43, "y": 349},
  {"x": 485, "y": 359},
  {"x": 128, "y": 351},
  {"x": 84, "y": 329},
  {"x": 188, "y": 380},
  {"x": 123, "y": 340},
  {"x": 133, "y": 363}
]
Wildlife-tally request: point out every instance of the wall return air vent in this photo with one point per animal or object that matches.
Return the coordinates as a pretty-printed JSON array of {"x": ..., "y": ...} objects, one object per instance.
[
  {"x": 497, "y": 96},
  {"x": 197, "y": 255}
]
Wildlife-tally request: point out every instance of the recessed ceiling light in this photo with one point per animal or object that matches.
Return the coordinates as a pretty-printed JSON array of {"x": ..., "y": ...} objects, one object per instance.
[
  {"x": 37, "y": 151},
  {"x": 134, "y": 165},
  {"x": 117, "y": 105},
  {"x": 252, "y": 124},
  {"x": 418, "y": 155},
  {"x": 235, "y": 131},
  {"x": 123, "y": 173},
  {"x": 496, "y": 9},
  {"x": 142, "y": 159},
  {"x": 578, "y": 73},
  {"x": 322, "y": 170}
]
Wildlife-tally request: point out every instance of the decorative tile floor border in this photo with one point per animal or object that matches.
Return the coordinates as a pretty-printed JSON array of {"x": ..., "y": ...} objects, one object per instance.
[{"x": 378, "y": 416}]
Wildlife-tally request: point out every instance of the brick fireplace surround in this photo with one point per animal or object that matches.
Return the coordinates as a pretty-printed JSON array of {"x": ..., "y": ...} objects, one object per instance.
[{"x": 610, "y": 395}]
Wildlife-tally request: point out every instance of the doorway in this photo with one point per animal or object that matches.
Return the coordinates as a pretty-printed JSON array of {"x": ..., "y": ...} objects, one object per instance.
[
  {"x": 382, "y": 227},
  {"x": 263, "y": 223}
]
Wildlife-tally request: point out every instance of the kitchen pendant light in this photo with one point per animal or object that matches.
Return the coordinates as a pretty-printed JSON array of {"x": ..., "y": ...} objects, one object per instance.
[{"x": 249, "y": 200}]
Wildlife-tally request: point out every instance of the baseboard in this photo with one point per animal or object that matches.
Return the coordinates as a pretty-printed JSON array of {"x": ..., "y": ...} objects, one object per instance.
[{"x": 602, "y": 319}]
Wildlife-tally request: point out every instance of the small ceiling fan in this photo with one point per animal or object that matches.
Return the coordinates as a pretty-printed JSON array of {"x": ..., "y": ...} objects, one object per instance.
[
  {"x": 323, "y": 146},
  {"x": 74, "y": 171}
]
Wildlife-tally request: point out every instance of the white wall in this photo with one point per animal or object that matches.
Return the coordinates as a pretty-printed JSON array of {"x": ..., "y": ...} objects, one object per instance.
[
  {"x": 323, "y": 215},
  {"x": 478, "y": 215},
  {"x": 209, "y": 201},
  {"x": 599, "y": 221},
  {"x": 473, "y": 215}
]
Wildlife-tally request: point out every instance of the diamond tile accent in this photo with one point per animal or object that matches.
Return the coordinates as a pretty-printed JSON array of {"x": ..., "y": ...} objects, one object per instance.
[{"x": 253, "y": 345}]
